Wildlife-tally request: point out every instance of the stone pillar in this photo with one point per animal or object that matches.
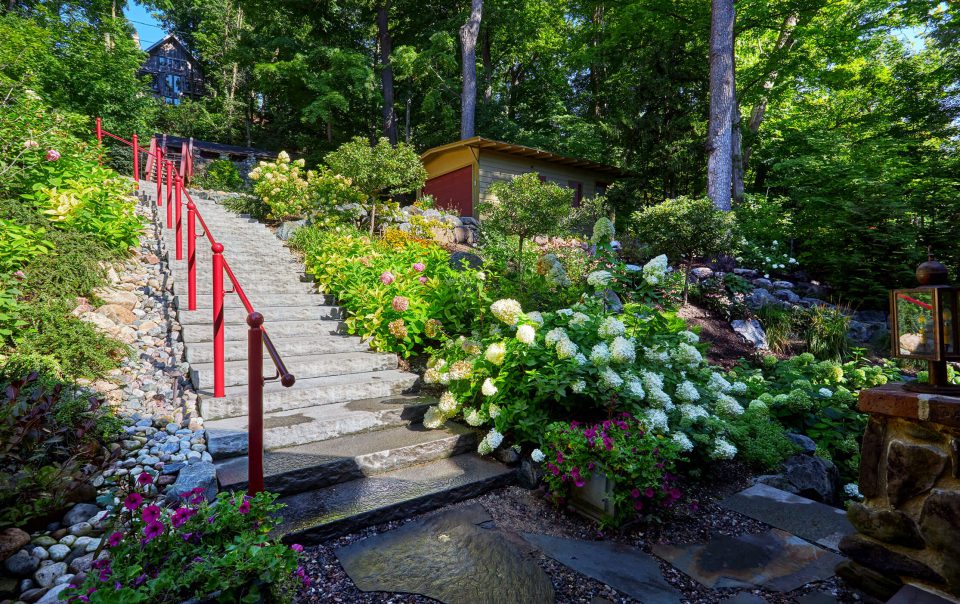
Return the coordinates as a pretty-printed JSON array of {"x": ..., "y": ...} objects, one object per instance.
[{"x": 909, "y": 522}]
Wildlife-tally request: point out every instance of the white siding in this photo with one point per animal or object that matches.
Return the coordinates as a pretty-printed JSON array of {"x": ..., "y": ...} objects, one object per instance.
[{"x": 500, "y": 167}]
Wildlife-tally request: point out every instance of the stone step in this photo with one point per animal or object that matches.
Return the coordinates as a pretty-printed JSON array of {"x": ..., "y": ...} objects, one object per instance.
[
  {"x": 260, "y": 300},
  {"x": 287, "y": 347},
  {"x": 317, "y": 516},
  {"x": 228, "y": 437},
  {"x": 324, "y": 463},
  {"x": 233, "y": 315},
  {"x": 319, "y": 365},
  {"x": 277, "y": 329},
  {"x": 250, "y": 287},
  {"x": 309, "y": 392}
]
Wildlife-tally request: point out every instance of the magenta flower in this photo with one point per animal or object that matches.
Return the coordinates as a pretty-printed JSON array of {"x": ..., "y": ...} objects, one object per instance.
[
  {"x": 575, "y": 475},
  {"x": 151, "y": 514},
  {"x": 400, "y": 304},
  {"x": 115, "y": 539},
  {"x": 152, "y": 531},
  {"x": 196, "y": 495},
  {"x": 133, "y": 501},
  {"x": 302, "y": 575},
  {"x": 649, "y": 492},
  {"x": 423, "y": 279},
  {"x": 387, "y": 278},
  {"x": 297, "y": 547},
  {"x": 244, "y": 507},
  {"x": 559, "y": 457},
  {"x": 20, "y": 275},
  {"x": 144, "y": 478},
  {"x": 635, "y": 493},
  {"x": 181, "y": 515},
  {"x": 419, "y": 267},
  {"x": 638, "y": 505},
  {"x": 52, "y": 155}
]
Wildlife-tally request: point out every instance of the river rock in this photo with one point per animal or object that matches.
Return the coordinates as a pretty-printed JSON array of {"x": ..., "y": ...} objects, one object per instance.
[
  {"x": 58, "y": 552},
  {"x": 12, "y": 539},
  {"x": 117, "y": 314},
  {"x": 81, "y": 512},
  {"x": 118, "y": 297},
  {"x": 751, "y": 331},
  {"x": 201, "y": 474},
  {"x": 46, "y": 575},
  {"x": 814, "y": 478},
  {"x": 21, "y": 564}
]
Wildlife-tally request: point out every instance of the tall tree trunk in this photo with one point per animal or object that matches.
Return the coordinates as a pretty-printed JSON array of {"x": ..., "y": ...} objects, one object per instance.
[
  {"x": 487, "y": 65},
  {"x": 719, "y": 161},
  {"x": 468, "y": 44},
  {"x": 406, "y": 120},
  {"x": 386, "y": 71},
  {"x": 596, "y": 66},
  {"x": 736, "y": 147}
]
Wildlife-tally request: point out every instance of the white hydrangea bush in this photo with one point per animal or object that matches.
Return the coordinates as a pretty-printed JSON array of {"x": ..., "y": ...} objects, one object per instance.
[{"x": 530, "y": 369}]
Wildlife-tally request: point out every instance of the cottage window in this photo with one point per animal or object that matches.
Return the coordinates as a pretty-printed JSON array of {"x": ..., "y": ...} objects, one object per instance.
[{"x": 577, "y": 187}]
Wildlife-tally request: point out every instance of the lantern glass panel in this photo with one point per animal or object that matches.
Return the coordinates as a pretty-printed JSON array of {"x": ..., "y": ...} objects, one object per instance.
[
  {"x": 916, "y": 324},
  {"x": 947, "y": 313}
]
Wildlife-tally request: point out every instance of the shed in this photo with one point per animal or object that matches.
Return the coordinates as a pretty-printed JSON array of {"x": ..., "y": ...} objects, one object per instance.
[
  {"x": 174, "y": 72},
  {"x": 459, "y": 175}
]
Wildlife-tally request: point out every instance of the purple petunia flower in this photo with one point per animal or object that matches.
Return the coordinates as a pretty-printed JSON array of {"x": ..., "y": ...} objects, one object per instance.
[
  {"x": 133, "y": 501},
  {"x": 144, "y": 478},
  {"x": 114, "y": 539},
  {"x": 649, "y": 492},
  {"x": 635, "y": 493},
  {"x": 297, "y": 547},
  {"x": 151, "y": 514},
  {"x": 152, "y": 531},
  {"x": 575, "y": 475},
  {"x": 181, "y": 515},
  {"x": 244, "y": 507}
]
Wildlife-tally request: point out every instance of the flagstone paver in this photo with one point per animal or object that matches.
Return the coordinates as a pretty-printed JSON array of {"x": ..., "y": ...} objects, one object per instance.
[
  {"x": 814, "y": 521},
  {"x": 774, "y": 560}
]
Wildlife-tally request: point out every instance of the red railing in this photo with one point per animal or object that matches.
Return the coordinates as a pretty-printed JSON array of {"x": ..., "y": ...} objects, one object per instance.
[{"x": 158, "y": 168}]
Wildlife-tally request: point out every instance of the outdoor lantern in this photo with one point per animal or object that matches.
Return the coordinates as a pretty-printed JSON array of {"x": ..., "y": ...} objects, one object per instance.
[{"x": 922, "y": 325}]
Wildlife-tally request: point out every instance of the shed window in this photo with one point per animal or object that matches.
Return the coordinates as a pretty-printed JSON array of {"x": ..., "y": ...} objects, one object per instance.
[{"x": 577, "y": 187}]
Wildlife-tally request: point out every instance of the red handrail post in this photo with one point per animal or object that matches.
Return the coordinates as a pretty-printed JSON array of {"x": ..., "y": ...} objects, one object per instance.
[
  {"x": 218, "y": 376},
  {"x": 254, "y": 403},
  {"x": 178, "y": 201},
  {"x": 136, "y": 160},
  {"x": 99, "y": 140},
  {"x": 169, "y": 193},
  {"x": 191, "y": 256},
  {"x": 159, "y": 177}
]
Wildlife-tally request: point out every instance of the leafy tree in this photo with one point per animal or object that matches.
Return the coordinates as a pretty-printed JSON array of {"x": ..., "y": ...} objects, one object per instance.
[
  {"x": 380, "y": 171},
  {"x": 525, "y": 207},
  {"x": 684, "y": 228}
]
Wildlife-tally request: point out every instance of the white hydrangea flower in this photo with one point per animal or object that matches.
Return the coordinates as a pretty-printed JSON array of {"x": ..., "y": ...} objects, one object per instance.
[
  {"x": 599, "y": 279},
  {"x": 448, "y": 403},
  {"x": 536, "y": 317},
  {"x": 433, "y": 418},
  {"x": 445, "y": 378},
  {"x": 495, "y": 353},
  {"x": 566, "y": 349},
  {"x": 565, "y": 312},
  {"x": 600, "y": 355},
  {"x": 579, "y": 386},
  {"x": 622, "y": 350},
  {"x": 507, "y": 310},
  {"x": 494, "y": 437},
  {"x": 283, "y": 157},
  {"x": 431, "y": 376},
  {"x": 686, "y": 445},
  {"x": 718, "y": 383},
  {"x": 537, "y": 456},
  {"x": 580, "y": 359},
  {"x": 611, "y": 327},
  {"x": 728, "y": 405},
  {"x": 526, "y": 334},
  {"x": 792, "y": 261},
  {"x": 659, "y": 399},
  {"x": 609, "y": 379},
  {"x": 488, "y": 389},
  {"x": 655, "y": 355},
  {"x": 693, "y": 412},
  {"x": 656, "y": 420},
  {"x": 738, "y": 388},
  {"x": 635, "y": 387},
  {"x": 473, "y": 417},
  {"x": 484, "y": 447},
  {"x": 493, "y": 411},
  {"x": 687, "y": 392},
  {"x": 690, "y": 337},
  {"x": 852, "y": 491},
  {"x": 579, "y": 318},
  {"x": 758, "y": 406},
  {"x": 653, "y": 381},
  {"x": 460, "y": 370},
  {"x": 654, "y": 271},
  {"x": 723, "y": 450},
  {"x": 825, "y": 392},
  {"x": 555, "y": 335},
  {"x": 686, "y": 354}
]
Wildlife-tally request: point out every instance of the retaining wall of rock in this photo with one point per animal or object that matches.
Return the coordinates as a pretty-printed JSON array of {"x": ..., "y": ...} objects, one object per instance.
[{"x": 909, "y": 521}]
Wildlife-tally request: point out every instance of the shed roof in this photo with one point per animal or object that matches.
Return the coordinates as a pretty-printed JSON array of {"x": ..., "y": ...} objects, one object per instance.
[
  {"x": 522, "y": 151},
  {"x": 200, "y": 145}
]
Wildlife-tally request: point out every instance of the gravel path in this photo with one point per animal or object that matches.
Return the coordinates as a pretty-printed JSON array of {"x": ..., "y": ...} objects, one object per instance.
[{"x": 515, "y": 509}]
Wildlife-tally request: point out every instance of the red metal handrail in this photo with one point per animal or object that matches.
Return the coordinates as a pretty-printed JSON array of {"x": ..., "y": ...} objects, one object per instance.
[{"x": 257, "y": 336}]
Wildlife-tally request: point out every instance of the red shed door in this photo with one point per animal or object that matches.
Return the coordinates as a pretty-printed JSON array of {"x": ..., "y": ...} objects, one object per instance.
[{"x": 453, "y": 190}]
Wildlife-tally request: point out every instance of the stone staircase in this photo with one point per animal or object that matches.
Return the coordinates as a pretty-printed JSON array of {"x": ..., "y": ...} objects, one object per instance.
[{"x": 345, "y": 445}]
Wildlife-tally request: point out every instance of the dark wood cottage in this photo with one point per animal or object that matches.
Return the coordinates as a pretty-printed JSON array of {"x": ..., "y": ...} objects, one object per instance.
[{"x": 175, "y": 72}]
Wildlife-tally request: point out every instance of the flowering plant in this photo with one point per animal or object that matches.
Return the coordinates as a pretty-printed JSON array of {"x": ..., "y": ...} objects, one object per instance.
[
  {"x": 641, "y": 462},
  {"x": 218, "y": 550}
]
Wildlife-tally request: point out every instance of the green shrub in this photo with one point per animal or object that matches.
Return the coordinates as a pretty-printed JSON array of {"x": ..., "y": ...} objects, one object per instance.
[
  {"x": 11, "y": 311},
  {"x": 762, "y": 229},
  {"x": 220, "y": 175},
  {"x": 219, "y": 551},
  {"x": 80, "y": 350},
  {"x": 51, "y": 442},
  {"x": 779, "y": 323},
  {"x": 75, "y": 269},
  {"x": 525, "y": 207},
  {"x": 760, "y": 439},
  {"x": 19, "y": 244},
  {"x": 684, "y": 229},
  {"x": 250, "y": 205},
  {"x": 825, "y": 332}
]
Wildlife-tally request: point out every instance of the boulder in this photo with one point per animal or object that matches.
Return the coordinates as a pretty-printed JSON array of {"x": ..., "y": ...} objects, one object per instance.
[
  {"x": 117, "y": 314},
  {"x": 759, "y": 298},
  {"x": 751, "y": 331},
  {"x": 859, "y": 331},
  {"x": 746, "y": 273},
  {"x": 889, "y": 526},
  {"x": 452, "y": 220},
  {"x": 529, "y": 475},
  {"x": 81, "y": 512},
  {"x": 912, "y": 470},
  {"x": 46, "y": 575},
  {"x": 870, "y": 316},
  {"x": 507, "y": 456},
  {"x": 787, "y": 295},
  {"x": 805, "y": 443},
  {"x": 21, "y": 564},
  {"x": 457, "y": 260},
  {"x": 102, "y": 323},
  {"x": 776, "y": 481},
  {"x": 763, "y": 282},
  {"x": 53, "y": 596},
  {"x": 462, "y": 235},
  {"x": 11, "y": 540},
  {"x": 469, "y": 221},
  {"x": 781, "y": 284},
  {"x": 288, "y": 228},
  {"x": 814, "y": 478},
  {"x": 202, "y": 475},
  {"x": 119, "y": 297},
  {"x": 702, "y": 272}
]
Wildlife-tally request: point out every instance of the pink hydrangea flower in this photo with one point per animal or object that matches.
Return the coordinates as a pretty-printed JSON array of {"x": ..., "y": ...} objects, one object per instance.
[
  {"x": 52, "y": 155},
  {"x": 423, "y": 279},
  {"x": 387, "y": 278},
  {"x": 419, "y": 267},
  {"x": 30, "y": 144},
  {"x": 400, "y": 304}
]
